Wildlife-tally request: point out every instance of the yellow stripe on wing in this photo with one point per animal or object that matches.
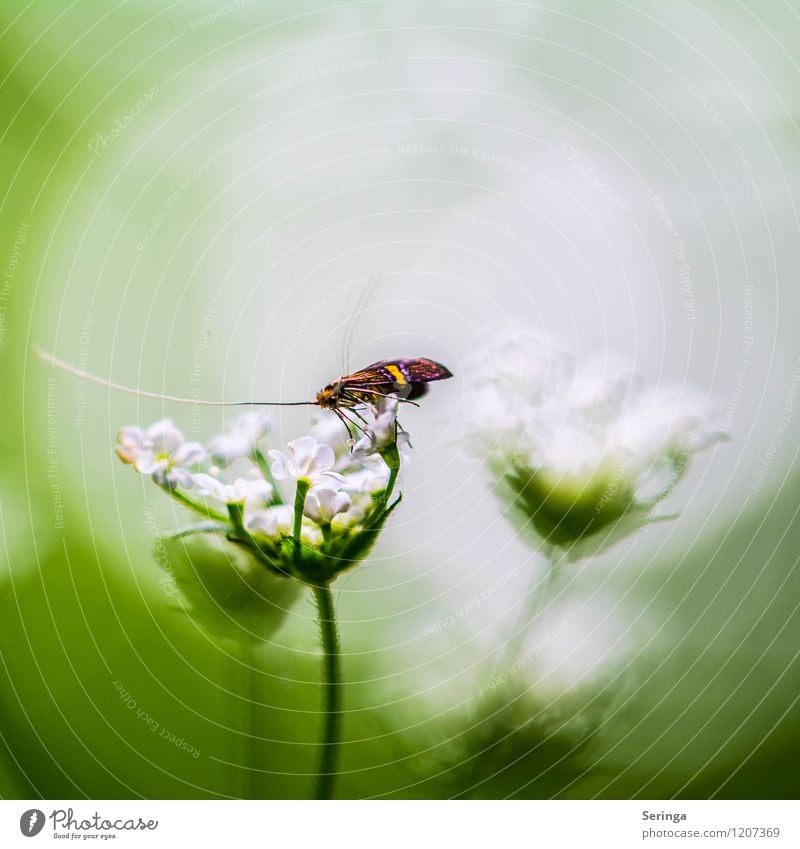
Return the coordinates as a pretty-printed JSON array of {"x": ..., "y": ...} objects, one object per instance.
[{"x": 398, "y": 375}]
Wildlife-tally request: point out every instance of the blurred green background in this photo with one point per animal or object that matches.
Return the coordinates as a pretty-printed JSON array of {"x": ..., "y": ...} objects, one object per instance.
[{"x": 193, "y": 197}]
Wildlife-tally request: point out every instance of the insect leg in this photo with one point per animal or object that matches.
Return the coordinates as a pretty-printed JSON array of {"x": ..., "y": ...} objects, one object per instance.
[
  {"x": 354, "y": 411},
  {"x": 350, "y": 440},
  {"x": 391, "y": 395},
  {"x": 365, "y": 391},
  {"x": 355, "y": 424},
  {"x": 401, "y": 429}
]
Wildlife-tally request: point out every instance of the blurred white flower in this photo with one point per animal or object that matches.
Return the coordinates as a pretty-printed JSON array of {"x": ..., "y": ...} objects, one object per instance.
[
  {"x": 580, "y": 643},
  {"x": 328, "y": 430},
  {"x": 241, "y": 438},
  {"x": 161, "y": 452},
  {"x": 241, "y": 491},
  {"x": 354, "y": 516},
  {"x": 584, "y": 456},
  {"x": 322, "y": 505},
  {"x": 272, "y": 522},
  {"x": 371, "y": 475},
  {"x": 307, "y": 458}
]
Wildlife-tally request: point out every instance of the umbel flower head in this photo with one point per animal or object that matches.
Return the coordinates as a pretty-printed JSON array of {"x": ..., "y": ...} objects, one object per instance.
[
  {"x": 307, "y": 512},
  {"x": 583, "y": 456}
]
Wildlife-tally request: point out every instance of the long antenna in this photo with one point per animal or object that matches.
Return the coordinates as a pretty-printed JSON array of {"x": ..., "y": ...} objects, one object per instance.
[
  {"x": 53, "y": 360},
  {"x": 369, "y": 288}
]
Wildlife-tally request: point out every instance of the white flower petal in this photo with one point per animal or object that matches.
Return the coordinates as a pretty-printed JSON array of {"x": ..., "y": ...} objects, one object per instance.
[
  {"x": 323, "y": 504},
  {"x": 147, "y": 464},
  {"x": 302, "y": 452},
  {"x": 130, "y": 444},
  {"x": 254, "y": 490},
  {"x": 189, "y": 454},
  {"x": 355, "y": 515},
  {"x": 330, "y": 431},
  {"x": 330, "y": 480},
  {"x": 307, "y": 459},
  {"x": 226, "y": 449},
  {"x": 242, "y": 490},
  {"x": 382, "y": 431},
  {"x": 241, "y": 438},
  {"x": 253, "y": 426},
  {"x": 272, "y": 522},
  {"x": 363, "y": 445},
  {"x": 163, "y": 437},
  {"x": 178, "y": 477},
  {"x": 366, "y": 481},
  {"x": 208, "y": 485},
  {"x": 282, "y": 467},
  {"x": 322, "y": 459}
]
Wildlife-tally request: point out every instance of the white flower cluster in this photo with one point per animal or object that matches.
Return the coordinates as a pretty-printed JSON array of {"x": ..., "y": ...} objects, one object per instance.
[
  {"x": 160, "y": 451},
  {"x": 313, "y": 508},
  {"x": 584, "y": 455}
]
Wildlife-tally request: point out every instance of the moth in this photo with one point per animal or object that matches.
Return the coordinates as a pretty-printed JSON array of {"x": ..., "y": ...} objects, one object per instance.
[{"x": 406, "y": 379}]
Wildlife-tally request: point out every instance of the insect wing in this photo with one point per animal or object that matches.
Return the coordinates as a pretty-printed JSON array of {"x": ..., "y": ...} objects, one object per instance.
[
  {"x": 372, "y": 376},
  {"x": 407, "y": 379},
  {"x": 423, "y": 370}
]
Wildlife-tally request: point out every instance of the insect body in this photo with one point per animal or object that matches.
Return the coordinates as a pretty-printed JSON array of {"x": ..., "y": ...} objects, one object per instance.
[{"x": 407, "y": 379}]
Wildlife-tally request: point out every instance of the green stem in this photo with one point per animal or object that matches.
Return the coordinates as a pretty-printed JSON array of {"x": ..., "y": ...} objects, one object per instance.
[
  {"x": 236, "y": 515},
  {"x": 531, "y": 607},
  {"x": 202, "y": 528},
  {"x": 266, "y": 470},
  {"x": 325, "y": 527},
  {"x": 391, "y": 456},
  {"x": 303, "y": 485},
  {"x": 194, "y": 505},
  {"x": 393, "y": 472},
  {"x": 331, "y": 728},
  {"x": 251, "y": 731}
]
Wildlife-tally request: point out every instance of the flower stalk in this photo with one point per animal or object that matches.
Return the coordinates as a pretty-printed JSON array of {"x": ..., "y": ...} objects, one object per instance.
[
  {"x": 391, "y": 456},
  {"x": 251, "y": 736},
  {"x": 531, "y": 606},
  {"x": 303, "y": 486},
  {"x": 331, "y": 692},
  {"x": 203, "y": 509}
]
